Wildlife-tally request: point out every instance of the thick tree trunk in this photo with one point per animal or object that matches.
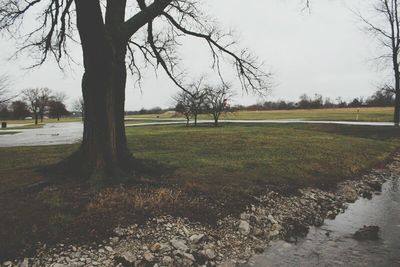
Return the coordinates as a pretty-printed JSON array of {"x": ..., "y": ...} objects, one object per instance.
[
  {"x": 396, "y": 118},
  {"x": 103, "y": 153},
  {"x": 397, "y": 109},
  {"x": 119, "y": 84},
  {"x": 216, "y": 117}
]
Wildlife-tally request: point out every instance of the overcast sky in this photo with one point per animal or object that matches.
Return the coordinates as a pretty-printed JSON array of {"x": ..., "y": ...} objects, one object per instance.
[{"x": 323, "y": 51}]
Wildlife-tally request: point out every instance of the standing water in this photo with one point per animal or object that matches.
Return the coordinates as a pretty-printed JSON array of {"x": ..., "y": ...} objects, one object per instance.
[{"x": 333, "y": 243}]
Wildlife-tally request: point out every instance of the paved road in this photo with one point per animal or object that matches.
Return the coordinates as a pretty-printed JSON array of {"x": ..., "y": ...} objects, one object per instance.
[
  {"x": 50, "y": 134},
  {"x": 71, "y": 132}
]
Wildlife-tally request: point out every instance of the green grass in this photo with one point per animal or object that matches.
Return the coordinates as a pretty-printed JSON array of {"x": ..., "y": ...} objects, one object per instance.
[
  {"x": 140, "y": 121},
  {"x": 345, "y": 114},
  {"x": 204, "y": 173},
  {"x": 299, "y": 155}
]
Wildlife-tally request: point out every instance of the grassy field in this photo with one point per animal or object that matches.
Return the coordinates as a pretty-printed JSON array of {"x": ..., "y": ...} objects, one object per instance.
[
  {"x": 345, "y": 114},
  {"x": 201, "y": 173}
]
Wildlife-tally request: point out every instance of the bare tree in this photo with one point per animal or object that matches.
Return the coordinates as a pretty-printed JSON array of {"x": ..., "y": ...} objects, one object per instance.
[
  {"x": 386, "y": 28},
  {"x": 4, "y": 93},
  {"x": 183, "y": 105},
  {"x": 111, "y": 31},
  {"x": 79, "y": 106},
  {"x": 197, "y": 97},
  {"x": 32, "y": 98},
  {"x": 59, "y": 96},
  {"x": 217, "y": 100},
  {"x": 44, "y": 99}
]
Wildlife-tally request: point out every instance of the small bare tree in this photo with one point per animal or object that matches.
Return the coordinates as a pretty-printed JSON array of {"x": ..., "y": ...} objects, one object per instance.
[
  {"x": 32, "y": 98},
  {"x": 386, "y": 28},
  {"x": 197, "y": 96},
  {"x": 217, "y": 99},
  {"x": 44, "y": 99},
  {"x": 183, "y": 105},
  {"x": 79, "y": 106}
]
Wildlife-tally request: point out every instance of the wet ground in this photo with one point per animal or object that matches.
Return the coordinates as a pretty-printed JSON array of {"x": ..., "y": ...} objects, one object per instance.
[
  {"x": 333, "y": 244},
  {"x": 50, "y": 134},
  {"x": 71, "y": 132}
]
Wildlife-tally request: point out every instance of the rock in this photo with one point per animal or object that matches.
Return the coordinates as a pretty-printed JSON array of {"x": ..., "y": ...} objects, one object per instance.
[
  {"x": 349, "y": 193},
  {"x": 274, "y": 233},
  {"x": 179, "y": 245},
  {"x": 367, "y": 233},
  {"x": 275, "y": 230},
  {"x": 197, "y": 238},
  {"x": 244, "y": 216},
  {"x": 167, "y": 260},
  {"x": 375, "y": 185},
  {"x": 148, "y": 256},
  {"x": 367, "y": 195},
  {"x": 272, "y": 219},
  {"x": 244, "y": 227},
  {"x": 164, "y": 248},
  {"x": 209, "y": 253},
  {"x": 114, "y": 240},
  {"x": 185, "y": 230},
  {"x": 25, "y": 263},
  {"x": 119, "y": 231},
  {"x": 257, "y": 231},
  {"x": 259, "y": 250},
  {"x": 228, "y": 263},
  {"x": 109, "y": 249},
  {"x": 155, "y": 247},
  {"x": 291, "y": 239},
  {"x": 7, "y": 264},
  {"x": 188, "y": 256},
  {"x": 129, "y": 257}
]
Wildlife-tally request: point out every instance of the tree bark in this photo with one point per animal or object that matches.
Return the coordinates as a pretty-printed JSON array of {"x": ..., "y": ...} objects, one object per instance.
[
  {"x": 216, "y": 118},
  {"x": 396, "y": 118},
  {"x": 397, "y": 109},
  {"x": 104, "y": 153}
]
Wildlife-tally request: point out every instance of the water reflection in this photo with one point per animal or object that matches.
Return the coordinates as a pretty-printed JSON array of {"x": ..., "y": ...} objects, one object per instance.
[{"x": 333, "y": 245}]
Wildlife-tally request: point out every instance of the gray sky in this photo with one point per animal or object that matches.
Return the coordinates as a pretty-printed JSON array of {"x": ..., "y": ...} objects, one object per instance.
[{"x": 323, "y": 51}]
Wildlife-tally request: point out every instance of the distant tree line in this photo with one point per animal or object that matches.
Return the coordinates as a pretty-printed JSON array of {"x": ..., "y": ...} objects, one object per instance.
[
  {"x": 215, "y": 101},
  {"x": 381, "y": 98},
  {"x": 143, "y": 111},
  {"x": 37, "y": 103}
]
